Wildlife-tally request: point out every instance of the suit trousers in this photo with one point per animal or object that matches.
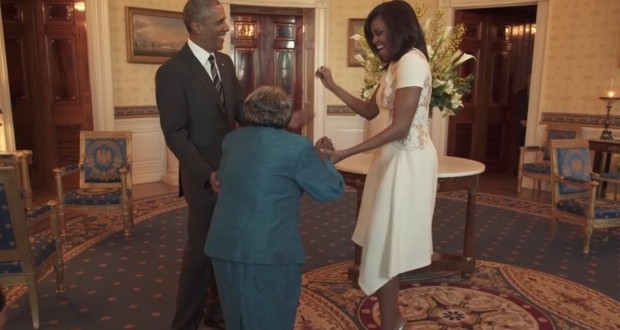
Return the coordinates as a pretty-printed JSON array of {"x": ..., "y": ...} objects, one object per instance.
[{"x": 196, "y": 276}]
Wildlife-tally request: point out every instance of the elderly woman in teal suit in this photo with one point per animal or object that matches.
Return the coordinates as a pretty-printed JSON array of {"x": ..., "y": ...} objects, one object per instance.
[{"x": 254, "y": 239}]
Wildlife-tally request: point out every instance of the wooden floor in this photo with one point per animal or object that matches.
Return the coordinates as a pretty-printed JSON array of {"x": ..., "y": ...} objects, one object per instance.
[{"x": 505, "y": 184}]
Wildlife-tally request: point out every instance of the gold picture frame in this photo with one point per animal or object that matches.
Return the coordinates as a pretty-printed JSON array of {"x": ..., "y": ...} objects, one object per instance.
[
  {"x": 355, "y": 24},
  {"x": 153, "y": 35}
]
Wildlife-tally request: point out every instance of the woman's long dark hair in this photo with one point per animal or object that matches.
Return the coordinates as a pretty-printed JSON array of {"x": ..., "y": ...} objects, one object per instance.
[{"x": 404, "y": 30}]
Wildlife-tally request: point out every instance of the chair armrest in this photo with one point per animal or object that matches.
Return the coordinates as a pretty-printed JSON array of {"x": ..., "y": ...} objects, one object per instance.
[
  {"x": 531, "y": 148},
  {"x": 570, "y": 179},
  {"x": 579, "y": 182},
  {"x": 68, "y": 169},
  {"x": 523, "y": 150},
  {"x": 611, "y": 178},
  {"x": 42, "y": 212},
  {"x": 34, "y": 215},
  {"x": 60, "y": 172}
]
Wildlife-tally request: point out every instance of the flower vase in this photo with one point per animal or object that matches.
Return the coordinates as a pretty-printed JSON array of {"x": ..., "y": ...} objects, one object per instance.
[{"x": 438, "y": 125}]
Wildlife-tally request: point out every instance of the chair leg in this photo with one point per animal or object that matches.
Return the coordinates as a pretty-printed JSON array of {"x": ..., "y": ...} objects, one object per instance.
[
  {"x": 607, "y": 235},
  {"x": 62, "y": 219},
  {"x": 553, "y": 225},
  {"x": 587, "y": 236},
  {"x": 130, "y": 210},
  {"x": 127, "y": 216},
  {"x": 59, "y": 270},
  {"x": 31, "y": 285},
  {"x": 519, "y": 182}
]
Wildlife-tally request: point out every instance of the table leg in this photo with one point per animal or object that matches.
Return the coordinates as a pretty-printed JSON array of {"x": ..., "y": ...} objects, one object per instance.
[
  {"x": 468, "y": 242},
  {"x": 353, "y": 272},
  {"x": 601, "y": 164}
]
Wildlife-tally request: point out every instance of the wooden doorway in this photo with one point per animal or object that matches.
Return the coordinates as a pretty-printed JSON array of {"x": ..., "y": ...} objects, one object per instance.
[
  {"x": 267, "y": 49},
  {"x": 502, "y": 41},
  {"x": 47, "y": 60}
]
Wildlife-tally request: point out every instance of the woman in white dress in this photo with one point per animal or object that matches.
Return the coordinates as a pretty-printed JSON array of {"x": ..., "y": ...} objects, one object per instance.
[{"x": 395, "y": 219}]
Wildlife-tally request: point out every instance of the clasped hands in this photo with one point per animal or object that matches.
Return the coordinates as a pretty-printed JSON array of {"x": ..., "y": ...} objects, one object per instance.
[{"x": 325, "y": 149}]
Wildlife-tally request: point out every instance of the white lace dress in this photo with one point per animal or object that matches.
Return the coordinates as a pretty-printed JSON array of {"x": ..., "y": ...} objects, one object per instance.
[{"x": 394, "y": 226}]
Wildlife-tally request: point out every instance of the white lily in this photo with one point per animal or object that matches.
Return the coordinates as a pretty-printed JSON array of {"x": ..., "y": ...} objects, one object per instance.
[
  {"x": 356, "y": 37},
  {"x": 359, "y": 58},
  {"x": 459, "y": 58}
]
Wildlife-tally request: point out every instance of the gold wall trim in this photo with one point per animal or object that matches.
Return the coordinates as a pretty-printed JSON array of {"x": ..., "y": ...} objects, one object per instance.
[
  {"x": 339, "y": 110},
  {"x": 135, "y": 111},
  {"x": 138, "y": 111},
  {"x": 581, "y": 119}
]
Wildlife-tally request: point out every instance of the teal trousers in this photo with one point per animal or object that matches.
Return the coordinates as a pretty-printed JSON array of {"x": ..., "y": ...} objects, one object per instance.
[{"x": 256, "y": 297}]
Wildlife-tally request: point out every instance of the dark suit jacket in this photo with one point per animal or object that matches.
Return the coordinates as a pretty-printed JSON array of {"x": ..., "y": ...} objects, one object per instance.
[
  {"x": 263, "y": 174},
  {"x": 192, "y": 118}
]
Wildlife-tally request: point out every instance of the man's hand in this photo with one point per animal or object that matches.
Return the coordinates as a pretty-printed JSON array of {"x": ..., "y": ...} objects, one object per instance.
[{"x": 215, "y": 183}]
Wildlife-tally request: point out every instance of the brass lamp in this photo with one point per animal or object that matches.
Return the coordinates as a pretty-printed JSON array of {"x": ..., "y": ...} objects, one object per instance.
[{"x": 610, "y": 99}]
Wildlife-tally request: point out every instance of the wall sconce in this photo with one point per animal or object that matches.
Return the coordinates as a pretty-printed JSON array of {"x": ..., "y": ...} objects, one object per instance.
[{"x": 80, "y": 6}]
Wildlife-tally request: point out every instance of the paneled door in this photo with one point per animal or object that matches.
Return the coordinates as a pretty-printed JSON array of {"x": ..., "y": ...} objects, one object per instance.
[
  {"x": 491, "y": 36},
  {"x": 487, "y": 39},
  {"x": 45, "y": 42},
  {"x": 268, "y": 50}
]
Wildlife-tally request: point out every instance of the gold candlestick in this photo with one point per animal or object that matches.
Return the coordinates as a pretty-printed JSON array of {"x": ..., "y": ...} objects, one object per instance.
[{"x": 606, "y": 134}]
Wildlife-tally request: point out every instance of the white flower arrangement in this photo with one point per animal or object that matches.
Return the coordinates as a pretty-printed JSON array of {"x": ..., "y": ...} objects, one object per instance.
[
  {"x": 442, "y": 43},
  {"x": 371, "y": 63}
]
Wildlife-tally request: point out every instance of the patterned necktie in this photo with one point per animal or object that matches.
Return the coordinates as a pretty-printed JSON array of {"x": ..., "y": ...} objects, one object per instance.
[{"x": 216, "y": 78}]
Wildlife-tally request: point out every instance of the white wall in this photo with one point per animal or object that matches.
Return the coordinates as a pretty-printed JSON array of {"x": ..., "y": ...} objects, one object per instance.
[{"x": 148, "y": 149}]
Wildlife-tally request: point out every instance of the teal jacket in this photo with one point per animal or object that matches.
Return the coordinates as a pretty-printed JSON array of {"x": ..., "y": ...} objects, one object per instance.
[{"x": 263, "y": 173}]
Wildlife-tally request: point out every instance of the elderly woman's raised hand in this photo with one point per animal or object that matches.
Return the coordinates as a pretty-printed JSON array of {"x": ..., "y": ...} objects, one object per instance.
[{"x": 325, "y": 74}]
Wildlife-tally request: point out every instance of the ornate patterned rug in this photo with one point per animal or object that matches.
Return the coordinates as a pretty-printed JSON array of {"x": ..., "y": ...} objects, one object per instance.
[
  {"x": 85, "y": 231},
  {"x": 118, "y": 283},
  {"x": 498, "y": 296}
]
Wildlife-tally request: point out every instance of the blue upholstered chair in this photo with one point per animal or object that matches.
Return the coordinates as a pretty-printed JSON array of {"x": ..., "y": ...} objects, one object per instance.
[
  {"x": 534, "y": 161},
  {"x": 574, "y": 191},
  {"x": 20, "y": 159},
  {"x": 24, "y": 259},
  {"x": 104, "y": 176}
]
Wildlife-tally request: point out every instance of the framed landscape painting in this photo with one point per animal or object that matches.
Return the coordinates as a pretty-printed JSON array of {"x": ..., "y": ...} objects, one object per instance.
[{"x": 153, "y": 35}]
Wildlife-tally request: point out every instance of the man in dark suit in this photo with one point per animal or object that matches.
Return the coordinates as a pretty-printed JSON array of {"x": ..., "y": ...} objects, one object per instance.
[{"x": 198, "y": 106}]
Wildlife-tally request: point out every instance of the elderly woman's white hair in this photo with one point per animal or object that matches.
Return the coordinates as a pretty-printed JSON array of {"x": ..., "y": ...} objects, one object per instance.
[{"x": 268, "y": 106}]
